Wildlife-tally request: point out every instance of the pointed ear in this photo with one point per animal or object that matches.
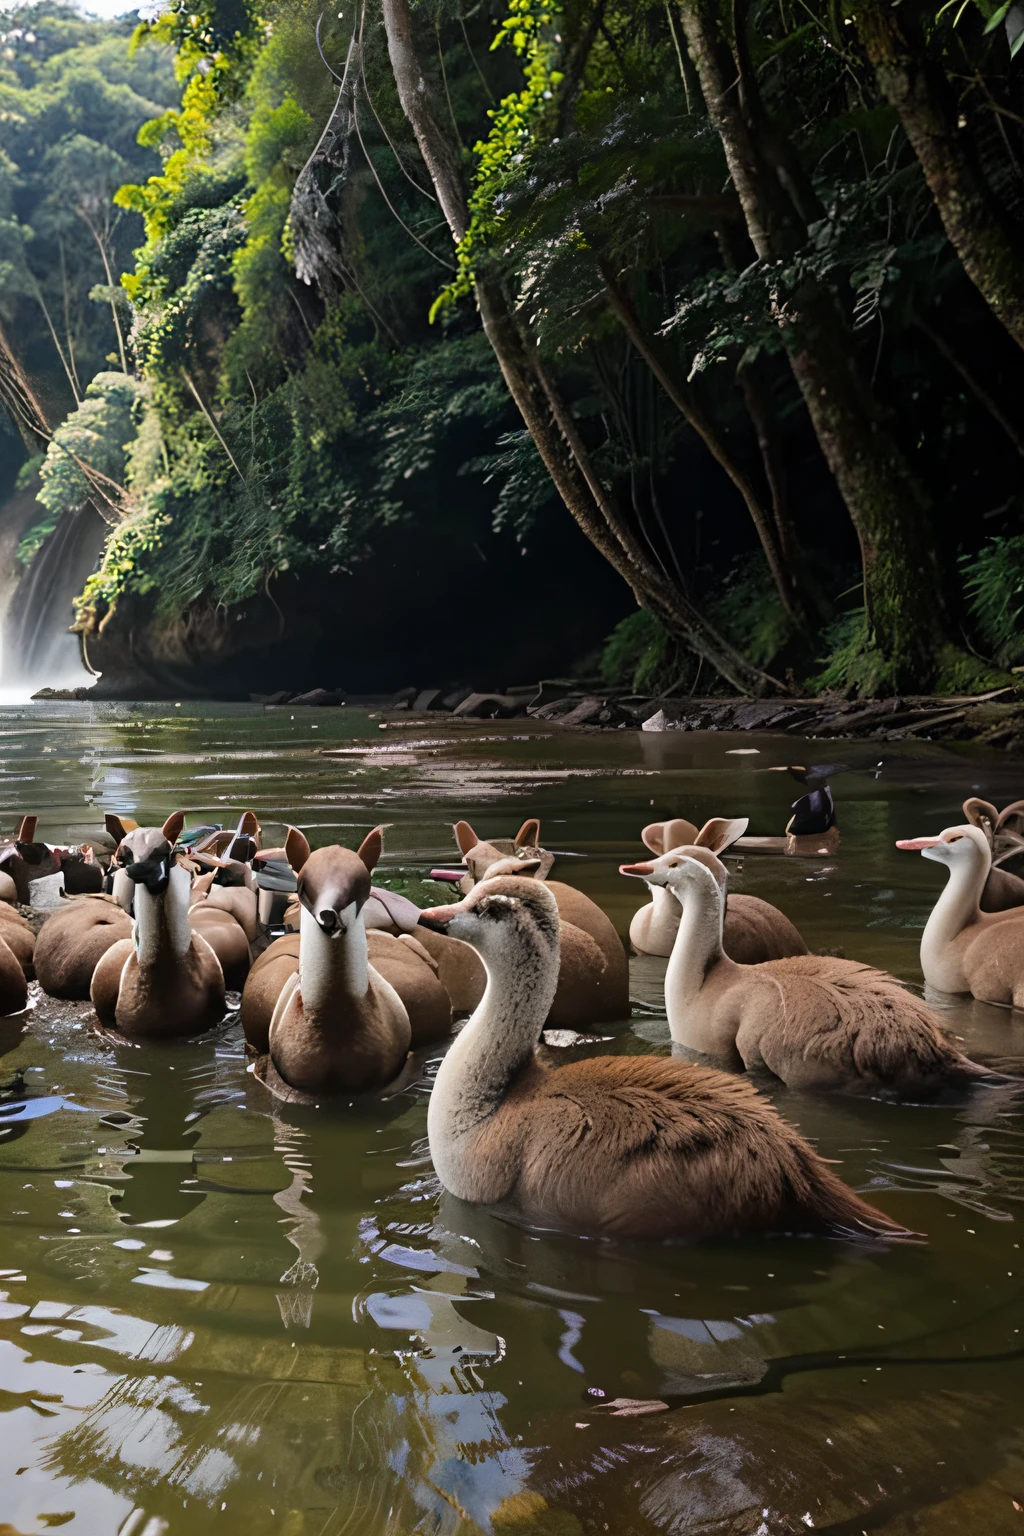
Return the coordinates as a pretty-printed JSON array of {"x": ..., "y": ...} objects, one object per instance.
[
  {"x": 26, "y": 832},
  {"x": 653, "y": 837},
  {"x": 718, "y": 833},
  {"x": 249, "y": 825},
  {"x": 982, "y": 815},
  {"x": 678, "y": 833},
  {"x": 1011, "y": 816},
  {"x": 296, "y": 848},
  {"x": 371, "y": 848},
  {"x": 528, "y": 835},
  {"x": 201, "y": 884},
  {"x": 172, "y": 827},
  {"x": 465, "y": 837},
  {"x": 119, "y": 826}
]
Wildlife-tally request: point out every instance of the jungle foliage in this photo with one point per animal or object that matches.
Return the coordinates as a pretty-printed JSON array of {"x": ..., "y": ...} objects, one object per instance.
[{"x": 735, "y": 322}]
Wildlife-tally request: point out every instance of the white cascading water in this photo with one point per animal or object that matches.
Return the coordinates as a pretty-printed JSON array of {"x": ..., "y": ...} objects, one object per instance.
[{"x": 38, "y": 650}]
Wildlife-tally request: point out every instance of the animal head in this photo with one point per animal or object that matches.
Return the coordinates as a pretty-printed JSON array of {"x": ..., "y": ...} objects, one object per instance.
[
  {"x": 479, "y": 856},
  {"x": 680, "y": 870},
  {"x": 717, "y": 834},
  {"x": 503, "y": 916},
  {"x": 1004, "y": 830},
  {"x": 334, "y": 882},
  {"x": 954, "y": 847},
  {"x": 147, "y": 856}
]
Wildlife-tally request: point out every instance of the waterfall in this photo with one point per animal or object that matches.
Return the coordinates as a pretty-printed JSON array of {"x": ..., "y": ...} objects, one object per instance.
[{"x": 38, "y": 651}]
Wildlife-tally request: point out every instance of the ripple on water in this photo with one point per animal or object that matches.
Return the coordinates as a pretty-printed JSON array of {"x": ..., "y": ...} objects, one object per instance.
[{"x": 218, "y": 1310}]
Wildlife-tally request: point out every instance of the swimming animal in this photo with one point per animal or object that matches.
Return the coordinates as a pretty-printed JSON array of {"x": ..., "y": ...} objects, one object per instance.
[
  {"x": 73, "y": 940},
  {"x": 754, "y": 929},
  {"x": 811, "y": 830},
  {"x": 166, "y": 980},
  {"x": 815, "y": 1022},
  {"x": 964, "y": 949},
  {"x": 19, "y": 935},
  {"x": 628, "y": 1147},
  {"x": 338, "y": 1020},
  {"x": 17, "y": 942},
  {"x": 593, "y": 984},
  {"x": 226, "y": 857}
]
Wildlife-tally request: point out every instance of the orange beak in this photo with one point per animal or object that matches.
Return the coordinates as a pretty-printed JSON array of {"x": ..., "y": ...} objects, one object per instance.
[
  {"x": 913, "y": 844},
  {"x": 640, "y": 870}
]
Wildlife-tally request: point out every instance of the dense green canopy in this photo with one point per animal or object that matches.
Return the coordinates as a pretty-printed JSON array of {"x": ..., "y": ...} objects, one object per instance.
[{"x": 738, "y": 320}]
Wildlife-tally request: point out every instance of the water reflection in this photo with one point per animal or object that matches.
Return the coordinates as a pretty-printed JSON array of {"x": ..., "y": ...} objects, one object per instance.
[{"x": 216, "y": 1309}]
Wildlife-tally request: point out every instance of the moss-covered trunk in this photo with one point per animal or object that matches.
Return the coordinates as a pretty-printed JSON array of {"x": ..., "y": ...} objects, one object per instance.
[
  {"x": 886, "y": 502},
  {"x": 916, "y": 86}
]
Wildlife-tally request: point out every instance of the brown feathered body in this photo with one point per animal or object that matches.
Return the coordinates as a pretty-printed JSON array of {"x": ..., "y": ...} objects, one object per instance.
[
  {"x": 647, "y": 1148},
  {"x": 72, "y": 942},
  {"x": 165, "y": 981},
  {"x": 20, "y": 937},
  {"x": 593, "y": 986},
  {"x": 965, "y": 949},
  {"x": 814, "y": 1021},
  {"x": 403, "y": 961},
  {"x": 754, "y": 929},
  {"x": 614, "y": 1147}
]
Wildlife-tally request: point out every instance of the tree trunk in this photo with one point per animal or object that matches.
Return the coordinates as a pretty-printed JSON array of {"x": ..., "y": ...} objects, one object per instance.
[
  {"x": 685, "y": 402},
  {"x": 545, "y": 414},
  {"x": 916, "y": 87},
  {"x": 886, "y": 502}
]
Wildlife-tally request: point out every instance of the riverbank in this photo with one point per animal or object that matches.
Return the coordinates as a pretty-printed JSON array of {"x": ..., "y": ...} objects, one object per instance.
[{"x": 994, "y": 719}]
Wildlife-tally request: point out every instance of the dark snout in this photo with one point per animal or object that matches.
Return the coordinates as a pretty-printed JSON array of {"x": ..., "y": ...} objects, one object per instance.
[
  {"x": 154, "y": 873},
  {"x": 433, "y": 923},
  {"x": 331, "y": 905},
  {"x": 438, "y": 918}
]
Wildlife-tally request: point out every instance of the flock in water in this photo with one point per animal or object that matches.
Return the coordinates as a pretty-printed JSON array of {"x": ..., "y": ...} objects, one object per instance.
[{"x": 342, "y": 980}]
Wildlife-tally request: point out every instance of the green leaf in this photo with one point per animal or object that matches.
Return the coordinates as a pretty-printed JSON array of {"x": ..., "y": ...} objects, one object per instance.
[{"x": 997, "y": 16}]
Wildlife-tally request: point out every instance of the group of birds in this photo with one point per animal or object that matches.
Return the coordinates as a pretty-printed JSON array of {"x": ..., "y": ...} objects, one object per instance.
[{"x": 155, "y": 924}]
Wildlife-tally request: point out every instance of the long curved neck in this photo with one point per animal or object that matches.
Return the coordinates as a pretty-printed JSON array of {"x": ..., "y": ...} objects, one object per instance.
[
  {"x": 497, "y": 1041},
  {"x": 698, "y": 944},
  {"x": 162, "y": 933},
  {"x": 332, "y": 968},
  {"x": 665, "y": 905},
  {"x": 957, "y": 906}
]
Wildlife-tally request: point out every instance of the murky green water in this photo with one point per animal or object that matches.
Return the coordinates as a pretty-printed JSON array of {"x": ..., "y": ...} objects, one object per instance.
[{"x": 218, "y": 1313}]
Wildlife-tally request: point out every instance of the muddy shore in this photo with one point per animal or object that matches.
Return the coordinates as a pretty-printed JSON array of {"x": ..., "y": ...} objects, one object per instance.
[{"x": 994, "y": 720}]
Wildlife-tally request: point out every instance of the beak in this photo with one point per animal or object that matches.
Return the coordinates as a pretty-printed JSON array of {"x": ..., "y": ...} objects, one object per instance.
[
  {"x": 454, "y": 875},
  {"x": 641, "y": 871},
  {"x": 912, "y": 844},
  {"x": 438, "y": 918}
]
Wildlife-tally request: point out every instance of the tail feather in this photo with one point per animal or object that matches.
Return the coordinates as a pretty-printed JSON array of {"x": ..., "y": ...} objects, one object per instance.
[{"x": 837, "y": 1208}]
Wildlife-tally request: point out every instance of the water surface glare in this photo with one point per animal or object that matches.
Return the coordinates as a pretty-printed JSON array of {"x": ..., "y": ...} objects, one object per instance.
[{"x": 220, "y": 1313}]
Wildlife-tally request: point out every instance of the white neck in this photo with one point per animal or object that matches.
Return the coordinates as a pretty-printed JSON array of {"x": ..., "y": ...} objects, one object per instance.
[
  {"x": 161, "y": 922},
  {"x": 496, "y": 1043},
  {"x": 955, "y": 910},
  {"x": 330, "y": 968},
  {"x": 698, "y": 944},
  {"x": 666, "y": 907}
]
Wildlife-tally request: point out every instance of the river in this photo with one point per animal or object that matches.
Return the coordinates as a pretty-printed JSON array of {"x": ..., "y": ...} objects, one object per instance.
[{"x": 218, "y": 1313}]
